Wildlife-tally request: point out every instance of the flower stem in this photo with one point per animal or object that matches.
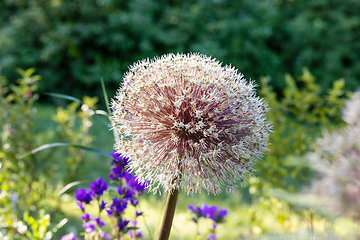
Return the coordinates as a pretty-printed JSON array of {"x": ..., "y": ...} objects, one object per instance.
[
  {"x": 171, "y": 204},
  {"x": 168, "y": 215}
]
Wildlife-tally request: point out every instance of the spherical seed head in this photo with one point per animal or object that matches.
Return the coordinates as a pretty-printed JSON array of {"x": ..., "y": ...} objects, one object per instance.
[{"x": 186, "y": 121}]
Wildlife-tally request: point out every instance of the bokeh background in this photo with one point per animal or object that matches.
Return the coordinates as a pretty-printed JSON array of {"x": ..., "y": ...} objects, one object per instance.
[{"x": 304, "y": 55}]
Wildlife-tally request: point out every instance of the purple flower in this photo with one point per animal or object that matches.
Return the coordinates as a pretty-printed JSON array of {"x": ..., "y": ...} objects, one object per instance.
[
  {"x": 222, "y": 213},
  {"x": 134, "y": 223},
  {"x": 83, "y": 195},
  {"x": 139, "y": 234},
  {"x": 191, "y": 208},
  {"x": 89, "y": 227},
  {"x": 134, "y": 202},
  {"x": 105, "y": 235},
  {"x": 70, "y": 236},
  {"x": 119, "y": 159},
  {"x": 209, "y": 212},
  {"x": 99, "y": 222},
  {"x": 199, "y": 212},
  {"x": 122, "y": 223},
  {"x": 219, "y": 216},
  {"x": 138, "y": 213},
  {"x": 86, "y": 217},
  {"x": 135, "y": 233},
  {"x": 116, "y": 173},
  {"x": 125, "y": 192},
  {"x": 214, "y": 227},
  {"x": 81, "y": 206},
  {"x": 132, "y": 182},
  {"x": 98, "y": 187},
  {"x": 211, "y": 237},
  {"x": 102, "y": 205},
  {"x": 117, "y": 207},
  {"x": 131, "y": 234}
]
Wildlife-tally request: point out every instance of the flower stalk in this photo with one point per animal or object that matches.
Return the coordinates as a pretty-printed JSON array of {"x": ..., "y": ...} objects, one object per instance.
[
  {"x": 170, "y": 206},
  {"x": 168, "y": 215}
]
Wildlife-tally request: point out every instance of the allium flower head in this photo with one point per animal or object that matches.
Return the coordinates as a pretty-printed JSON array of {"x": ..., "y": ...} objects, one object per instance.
[{"x": 186, "y": 121}]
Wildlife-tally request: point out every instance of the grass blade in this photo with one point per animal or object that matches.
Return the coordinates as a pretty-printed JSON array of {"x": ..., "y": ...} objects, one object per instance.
[
  {"x": 99, "y": 113},
  {"x": 67, "y": 97},
  {"x": 105, "y": 95},
  {"x": 68, "y": 186}
]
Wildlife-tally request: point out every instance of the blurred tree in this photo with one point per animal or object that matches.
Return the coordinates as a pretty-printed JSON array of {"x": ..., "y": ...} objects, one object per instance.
[{"x": 73, "y": 43}]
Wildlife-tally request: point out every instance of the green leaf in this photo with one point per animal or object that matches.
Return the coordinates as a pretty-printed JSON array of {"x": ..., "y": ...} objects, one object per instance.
[
  {"x": 132, "y": 228},
  {"x": 67, "y": 97},
  {"x": 29, "y": 72}
]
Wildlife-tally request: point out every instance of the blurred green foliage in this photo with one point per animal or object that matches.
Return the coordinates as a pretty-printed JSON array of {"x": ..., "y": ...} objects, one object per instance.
[
  {"x": 38, "y": 228},
  {"x": 24, "y": 178},
  {"x": 17, "y": 139},
  {"x": 73, "y": 43},
  {"x": 297, "y": 120},
  {"x": 67, "y": 132},
  {"x": 30, "y": 183}
]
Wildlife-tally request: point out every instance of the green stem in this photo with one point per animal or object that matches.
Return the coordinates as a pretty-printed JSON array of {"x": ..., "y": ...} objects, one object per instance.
[{"x": 168, "y": 215}]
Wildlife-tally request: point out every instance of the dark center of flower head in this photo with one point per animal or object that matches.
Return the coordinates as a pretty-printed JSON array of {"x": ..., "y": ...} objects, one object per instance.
[{"x": 189, "y": 117}]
